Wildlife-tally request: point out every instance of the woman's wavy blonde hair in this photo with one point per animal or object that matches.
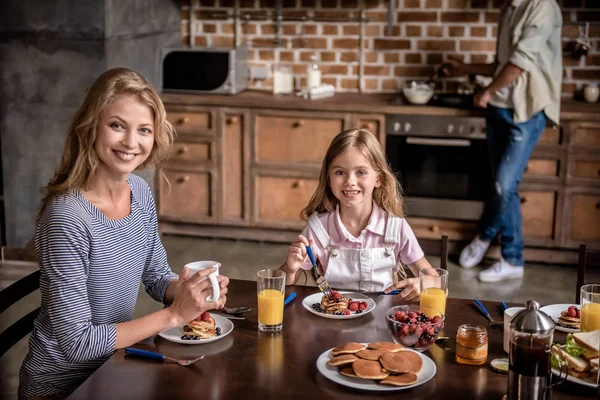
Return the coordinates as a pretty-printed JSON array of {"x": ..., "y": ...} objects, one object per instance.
[
  {"x": 388, "y": 196},
  {"x": 79, "y": 161}
]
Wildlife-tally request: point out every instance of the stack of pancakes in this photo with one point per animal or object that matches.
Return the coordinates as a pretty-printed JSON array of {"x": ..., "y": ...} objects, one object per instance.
[
  {"x": 332, "y": 306},
  {"x": 385, "y": 362},
  {"x": 202, "y": 329},
  {"x": 568, "y": 322}
]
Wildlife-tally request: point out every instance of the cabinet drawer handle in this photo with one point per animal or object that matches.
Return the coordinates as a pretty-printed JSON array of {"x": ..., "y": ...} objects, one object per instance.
[
  {"x": 523, "y": 200},
  {"x": 232, "y": 120},
  {"x": 434, "y": 228},
  {"x": 298, "y": 124},
  {"x": 367, "y": 126},
  {"x": 183, "y": 120},
  {"x": 297, "y": 184},
  {"x": 183, "y": 179},
  {"x": 182, "y": 150}
]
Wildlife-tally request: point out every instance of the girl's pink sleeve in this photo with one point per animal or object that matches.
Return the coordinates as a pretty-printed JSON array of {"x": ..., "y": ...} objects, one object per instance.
[{"x": 408, "y": 249}]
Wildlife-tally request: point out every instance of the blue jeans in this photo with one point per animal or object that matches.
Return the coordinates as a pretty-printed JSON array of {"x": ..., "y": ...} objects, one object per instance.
[{"x": 509, "y": 145}]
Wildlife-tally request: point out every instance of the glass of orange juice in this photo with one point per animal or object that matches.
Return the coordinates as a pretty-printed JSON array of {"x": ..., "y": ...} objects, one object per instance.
[
  {"x": 590, "y": 307},
  {"x": 434, "y": 288},
  {"x": 270, "y": 286}
]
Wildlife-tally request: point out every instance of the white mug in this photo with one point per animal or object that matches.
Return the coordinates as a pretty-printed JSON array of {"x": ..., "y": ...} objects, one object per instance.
[
  {"x": 509, "y": 313},
  {"x": 197, "y": 266}
]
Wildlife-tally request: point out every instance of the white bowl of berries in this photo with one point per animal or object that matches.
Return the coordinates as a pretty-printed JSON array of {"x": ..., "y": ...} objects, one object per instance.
[{"x": 413, "y": 326}]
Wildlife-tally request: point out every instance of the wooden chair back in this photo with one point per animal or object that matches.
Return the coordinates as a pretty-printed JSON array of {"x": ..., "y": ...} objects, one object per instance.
[
  {"x": 14, "y": 293},
  {"x": 437, "y": 248},
  {"x": 587, "y": 257}
]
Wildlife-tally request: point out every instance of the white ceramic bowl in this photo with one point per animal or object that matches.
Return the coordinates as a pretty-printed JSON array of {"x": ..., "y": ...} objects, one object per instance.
[{"x": 417, "y": 92}]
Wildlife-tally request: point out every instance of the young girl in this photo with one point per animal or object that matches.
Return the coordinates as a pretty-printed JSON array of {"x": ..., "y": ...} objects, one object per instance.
[
  {"x": 355, "y": 225},
  {"x": 96, "y": 239}
]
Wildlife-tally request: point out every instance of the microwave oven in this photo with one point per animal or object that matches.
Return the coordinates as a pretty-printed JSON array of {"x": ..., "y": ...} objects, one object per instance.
[{"x": 204, "y": 70}]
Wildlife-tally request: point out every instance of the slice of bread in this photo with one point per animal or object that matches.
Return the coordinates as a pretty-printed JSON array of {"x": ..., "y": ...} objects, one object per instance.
[
  {"x": 594, "y": 362},
  {"x": 576, "y": 364},
  {"x": 580, "y": 375},
  {"x": 590, "y": 341}
]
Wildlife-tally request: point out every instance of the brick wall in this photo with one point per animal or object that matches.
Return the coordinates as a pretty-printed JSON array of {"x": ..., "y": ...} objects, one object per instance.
[{"x": 424, "y": 33}]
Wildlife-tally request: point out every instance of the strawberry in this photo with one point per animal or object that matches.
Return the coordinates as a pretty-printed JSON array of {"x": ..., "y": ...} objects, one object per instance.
[
  {"x": 362, "y": 306},
  {"x": 398, "y": 315},
  {"x": 578, "y": 315},
  {"x": 353, "y": 306},
  {"x": 335, "y": 294},
  {"x": 205, "y": 316},
  {"x": 346, "y": 312},
  {"x": 572, "y": 313}
]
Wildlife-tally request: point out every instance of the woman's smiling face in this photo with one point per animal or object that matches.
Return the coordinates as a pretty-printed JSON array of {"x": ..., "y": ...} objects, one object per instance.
[{"x": 125, "y": 136}]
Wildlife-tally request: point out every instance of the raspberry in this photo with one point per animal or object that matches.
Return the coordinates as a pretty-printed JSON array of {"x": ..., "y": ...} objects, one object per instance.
[
  {"x": 353, "y": 306},
  {"x": 412, "y": 315},
  {"x": 571, "y": 308},
  {"x": 205, "y": 316},
  {"x": 398, "y": 316},
  {"x": 362, "y": 306},
  {"x": 578, "y": 313},
  {"x": 572, "y": 313},
  {"x": 346, "y": 312},
  {"x": 335, "y": 294}
]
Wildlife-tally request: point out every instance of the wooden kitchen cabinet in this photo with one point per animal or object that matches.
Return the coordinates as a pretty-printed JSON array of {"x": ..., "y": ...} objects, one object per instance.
[
  {"x": 187, "y": 195},
  {"x": 538, "y": 209},
  {"x": 280, "y": 199},
  {"x": 584, "y": 218},
  {"x": 245, "y": 166},
  {"x": 290, "y": 139}
]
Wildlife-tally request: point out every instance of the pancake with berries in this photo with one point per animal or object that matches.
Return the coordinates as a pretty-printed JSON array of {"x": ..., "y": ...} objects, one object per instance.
[
  {"x": 336, "y": 304},
  {"x": 570, "y": 318},
  {"x": 203, "y": 327}
]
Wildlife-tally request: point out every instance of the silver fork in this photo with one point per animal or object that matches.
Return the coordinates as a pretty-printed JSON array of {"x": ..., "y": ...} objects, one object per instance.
[
  {"x": 158, "y": 356},
  {"x": 320, "y": 281}
]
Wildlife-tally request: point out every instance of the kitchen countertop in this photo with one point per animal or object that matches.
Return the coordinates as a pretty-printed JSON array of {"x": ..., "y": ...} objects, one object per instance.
[{"x": 380, "y": 103}]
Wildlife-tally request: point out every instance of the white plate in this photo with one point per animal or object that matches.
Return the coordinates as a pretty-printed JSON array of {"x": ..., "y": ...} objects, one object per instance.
[
  {"x": 586, "y": 382},
  {"x": 175, "y": 334},
  {"x": 332, "y": 373},
  {"x": 316, "y": 298},
  {"x": 554, "y": 310}
]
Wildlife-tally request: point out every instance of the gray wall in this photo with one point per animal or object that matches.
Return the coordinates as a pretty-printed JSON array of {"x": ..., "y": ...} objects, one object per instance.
[{"x": 50, "y": 52}]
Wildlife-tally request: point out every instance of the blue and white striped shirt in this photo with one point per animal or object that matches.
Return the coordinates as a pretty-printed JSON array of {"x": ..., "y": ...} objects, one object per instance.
[{"x": 91, "y": 268}]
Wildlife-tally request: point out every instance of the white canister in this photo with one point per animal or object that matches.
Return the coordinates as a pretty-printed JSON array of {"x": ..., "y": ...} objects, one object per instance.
[
  {"x": 591, "y": 92},
  {"x": 283, "y": 80},
  {"x": 509, "y": 313}
]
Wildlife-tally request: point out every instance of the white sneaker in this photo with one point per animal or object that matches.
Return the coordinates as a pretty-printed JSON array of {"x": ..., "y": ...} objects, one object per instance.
[
  {"x": 473, "y": 253},
  {"x": 501, "y": 271}
]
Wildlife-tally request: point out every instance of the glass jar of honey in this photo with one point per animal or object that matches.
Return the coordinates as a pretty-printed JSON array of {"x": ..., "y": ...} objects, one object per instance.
[{"x": 471, "y": 345}]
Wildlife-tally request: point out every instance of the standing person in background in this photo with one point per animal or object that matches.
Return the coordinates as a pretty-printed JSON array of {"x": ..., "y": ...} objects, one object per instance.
[
  {"x": 524, "y": 93},
  {"x": 97, "y": 239}
]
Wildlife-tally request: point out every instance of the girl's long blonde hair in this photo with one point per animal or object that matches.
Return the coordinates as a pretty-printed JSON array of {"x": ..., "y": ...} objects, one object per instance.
[
  {"x": 79, "y": 161},
  {"x": 388, "y": 196}
]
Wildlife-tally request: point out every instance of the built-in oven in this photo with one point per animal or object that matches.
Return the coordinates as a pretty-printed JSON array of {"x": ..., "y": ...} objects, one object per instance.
[{"x": 442, "y": 164}]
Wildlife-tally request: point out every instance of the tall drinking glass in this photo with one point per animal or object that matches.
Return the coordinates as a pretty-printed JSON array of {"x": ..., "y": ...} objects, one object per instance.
[
  {"x": 434, "y": 288},
  {"x": 590, "y": 307},
  {"x": 270, "y": 286}
]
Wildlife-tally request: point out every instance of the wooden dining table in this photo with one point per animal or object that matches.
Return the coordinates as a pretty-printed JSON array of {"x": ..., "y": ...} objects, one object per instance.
[{"x": 251, "y": 364}]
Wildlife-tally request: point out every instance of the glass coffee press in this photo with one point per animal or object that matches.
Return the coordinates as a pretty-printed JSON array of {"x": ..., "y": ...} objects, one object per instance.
[{"x": 529, "y": 370}]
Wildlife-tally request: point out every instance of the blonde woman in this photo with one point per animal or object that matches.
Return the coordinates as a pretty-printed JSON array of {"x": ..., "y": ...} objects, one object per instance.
[
  {"x": 96, "y": 239},
  {"x": 355, "y": 221}
]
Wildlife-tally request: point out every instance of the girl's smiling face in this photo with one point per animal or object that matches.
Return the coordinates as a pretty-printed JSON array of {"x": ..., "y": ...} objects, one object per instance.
[
  {"x": 125, "y": 136},
  {"x": 352, "y": 179}
]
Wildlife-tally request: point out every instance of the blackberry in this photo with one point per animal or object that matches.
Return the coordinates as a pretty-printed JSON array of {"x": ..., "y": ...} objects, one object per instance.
[
  {"x": 189, "y": 337},
  {"x": 359, "y": 311},
  {"x": 218, "y": 331}
]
